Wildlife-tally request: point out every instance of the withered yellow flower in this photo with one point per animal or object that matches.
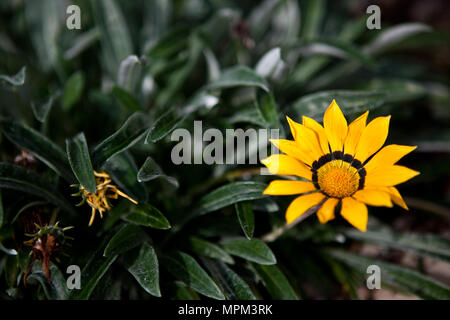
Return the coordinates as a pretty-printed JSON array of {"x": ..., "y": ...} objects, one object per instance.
[
  {"x": 342, "y": 164},
  {"x": 99, "y": 199}
]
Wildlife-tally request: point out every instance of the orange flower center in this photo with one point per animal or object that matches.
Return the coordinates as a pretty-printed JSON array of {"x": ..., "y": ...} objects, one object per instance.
[{"x": 338, "y": 179}]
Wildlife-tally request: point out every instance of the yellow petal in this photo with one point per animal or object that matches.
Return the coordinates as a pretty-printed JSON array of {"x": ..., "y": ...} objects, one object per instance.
[
  {"x": 373, "y": 197},
  {"x": 301, "y": 204},
  {"x": 372, "y": 138},
  {"x": 286, "y": 187},
  {"x": 355, "y": 213},
  {"x": 320, "y": 132},
  {"x": 389, "y": 176},
  {"x": 355, "y": 130},
  {"x": 306, "y": 139},
  {"x": 283, "y": 164},
  {"x": 397, "y": 197},
  {"x": 326, "y": 211},
  {"x": 335, "y": 126},
  {"x": 293, "y": 149},
  {"x": 294, "y": 127},
  {"x": 387, "y": 156}
]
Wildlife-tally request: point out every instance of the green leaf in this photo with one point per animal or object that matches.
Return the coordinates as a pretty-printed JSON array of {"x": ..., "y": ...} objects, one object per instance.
[
  {"x": 146, "y": 215},
  {"x": 239, "y": 76},
  {"x": 423, "y": 244},
  {"x": 91, "y": 276},
  {"x": 45, "y": 21},
  {"x": 400, "y": 277},
  {"x": 266, "y": 105},
  {"x": 184, "y": 267},
  {"x": 269, "y": 63},
  {"x": 312, "y": 12},
  {"x": 179, "y": 291},
  {"x": 72, "y": 90},
  {"x": 177, "y": 78},
  {"x": 145, "y": 270},
  {"x": 275, "y": 282},
  {"x": 209, "y": 249},
  {"x": 129, "y": 74},
  {"x": 390, "y": 36},
  {"x": 128, "y": 237},
  {"x": 252, "y": 250},
  {"x": 81, "y": 42},
  {"x": 21, "y": 179},
  {"x": 128, "y": 135},
  {"x": 16, "y": 80},
  {"x": 80, "y": 162},
  {"x": 44, "y": 149},
  {"x": 230, "y": 194},
  {"x": 337, "y": 49},
  {"x": 398, "y": 90},
  {"x": 41, "y": 111},
  {"x": 231, "y": 284},
  {"x": 171, "y": 119},
  {"x": 11, "y": 270},
  {"x": 156, "y": 22},
  {"x": 123, "y": 171},
  {"x": 248, "y": 115},
  {"x": 151, "y": 170},
  {"x": 114, "y": 34},
  {"x": 54, "y": 290},
  {"x": 350, "y": 102},
  {"x": 126, "y": 99},
  {"x": 246, "y": 218}
]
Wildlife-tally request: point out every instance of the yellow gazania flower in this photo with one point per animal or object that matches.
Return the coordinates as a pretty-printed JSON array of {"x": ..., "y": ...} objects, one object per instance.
[
  {"x": 341, "y": 164},
  {"x": 99, "y": 200}
]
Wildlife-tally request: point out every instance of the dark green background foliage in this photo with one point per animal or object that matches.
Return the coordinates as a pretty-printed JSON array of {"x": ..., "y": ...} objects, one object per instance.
[{"x": 78, "y": 101}]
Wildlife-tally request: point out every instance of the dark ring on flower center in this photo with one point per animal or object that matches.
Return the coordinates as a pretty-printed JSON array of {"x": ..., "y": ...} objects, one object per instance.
[{"x": 338, "y": 155}]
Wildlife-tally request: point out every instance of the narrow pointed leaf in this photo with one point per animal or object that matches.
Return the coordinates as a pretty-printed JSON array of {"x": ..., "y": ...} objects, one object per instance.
[
  {"x": 126, "y": 99},
  {"x": 275, "y": 282},
  {"x": 146, "y": 215},
  {"x": 239, "y": 76},
  {"x": 151, "y": 170},
  {"x": 423, "y": 244},
  {"x": 21, "y": 179},
  {"x": 128, "y": 135},
  {"x": 72, "y": 90},
  {"x": 80, "y": 161},
  {"x": 252, "y": 250},
  {"x": 42, "y": 110},
  {"x": 16, "y": 80},
  {"x": 184, "y": 267},
  {"x": 128, "y": 237},
  {"x": 209, "y": 249},
  {"x": 391, "y": 36},
  {"x": 406, "y": 279},
  {"x": 44, "y": 149},
  {"x": 172, "y": 118},
  {"x": 246, "y": 218},
  {"x": 145, "y": 270},
  {"x": 230, "y": 194},
  {"x": 91, "y": 276},
  {"x": 233, "y": 286},
  {"x": 351, "y": 102}
]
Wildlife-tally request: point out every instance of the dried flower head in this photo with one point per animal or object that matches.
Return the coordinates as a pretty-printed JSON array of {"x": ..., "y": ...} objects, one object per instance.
[
  {"x": 99, "y": 200},
  {"x": 46, "y": 242}
]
